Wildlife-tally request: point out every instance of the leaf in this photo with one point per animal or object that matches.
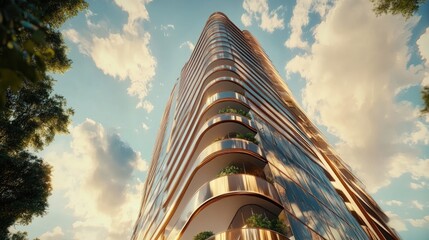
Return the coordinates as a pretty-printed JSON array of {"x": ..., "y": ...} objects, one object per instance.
[
  {"x": 10, "y": 79},
  {"x": 29, "y": 46},
  {"x": 39, "y": 37}
]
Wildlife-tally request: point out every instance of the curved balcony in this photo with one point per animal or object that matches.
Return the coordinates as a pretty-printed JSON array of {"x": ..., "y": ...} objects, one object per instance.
[
  {"x": 202, "y": 211},
  {"x": 220, "y": 125},
  {"x": 220, "y": 71},
  {"x": 211, "y": 161},
  {"x": 249, "y": 234},
  {"x": 223, "y": 100},
  {"x": 222, "y": 84}
]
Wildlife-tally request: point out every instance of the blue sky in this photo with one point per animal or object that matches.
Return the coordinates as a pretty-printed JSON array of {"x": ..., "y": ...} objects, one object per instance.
[{"x": 356, "y": 75}]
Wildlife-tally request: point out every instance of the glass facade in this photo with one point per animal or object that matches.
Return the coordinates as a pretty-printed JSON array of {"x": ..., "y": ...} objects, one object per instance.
[{"x": 238, "y": 158}]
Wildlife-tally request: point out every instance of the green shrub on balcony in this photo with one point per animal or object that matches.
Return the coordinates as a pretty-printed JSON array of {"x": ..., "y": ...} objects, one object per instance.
[
  {"x": 248, "y": 136},
  {"x": 228, "y": 170},
  {"x": 203, "y": 235},
  {"x": 236, "y": 111},
  {"x": 260, "y": 221}
]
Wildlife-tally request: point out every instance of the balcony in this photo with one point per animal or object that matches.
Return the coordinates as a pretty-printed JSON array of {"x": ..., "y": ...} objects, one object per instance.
[
  {"x": 222, "y": 100},
  {"x": 222, "y": 84},
  {"x": 234, "y": 191}
]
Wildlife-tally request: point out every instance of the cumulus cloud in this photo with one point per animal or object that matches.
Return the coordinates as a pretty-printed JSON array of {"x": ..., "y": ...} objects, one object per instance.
[
  {"x": 259, "y": 11},
  {"x": 420, "y": 223},
  {"x": 145, "y": 126},
  {"x": 55, "y": 234},
  {"x": 423, "y": 45},
  {"x": 146, "y": 105},
  {"x": 417, "y": 185},
  {"x": 355, "y": 68},
  {"x": 420, "y": 135},
  {"x": 417, "y": 204},
  {"x": 188, "y": 44},
  {"x": 396, "y": 222},
  {"x": 300, "y": 19},
  {"x": 125, "y": 55},
  {"x": 394, "y": 203},
  {"x": 136, "y": 10},
  {"x": 98, "y": 176}
]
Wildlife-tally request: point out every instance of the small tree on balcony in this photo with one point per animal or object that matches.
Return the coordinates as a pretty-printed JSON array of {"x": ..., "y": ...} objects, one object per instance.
[
  {"x": 236, "y": 111},
  {"x": 260, "y": 221},
  {"x": 228, "y": 170},
  {"x": 248, "y": 136},
  {"x": 203, "y": 235}
]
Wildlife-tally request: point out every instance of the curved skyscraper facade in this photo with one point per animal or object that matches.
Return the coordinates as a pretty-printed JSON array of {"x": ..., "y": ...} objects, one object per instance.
[{"x": 236, "y": 157}]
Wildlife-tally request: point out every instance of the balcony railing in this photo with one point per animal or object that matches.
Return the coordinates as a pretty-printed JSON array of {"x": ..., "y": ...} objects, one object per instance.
[{"x": 249, "y": 136}]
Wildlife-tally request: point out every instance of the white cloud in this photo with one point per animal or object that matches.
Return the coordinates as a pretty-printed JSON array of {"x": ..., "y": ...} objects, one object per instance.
[
  {"x": 140, "y": 165},
  {"x": 396, "y": 222},
  {"x": 166, "y": 29},
  {"x": 419, "y": 168},
  {"x": 417, "y": 204},
  {"x": 136, "y": 10},
  {"x": 124, "y": 55},
  {"x": 423, "y": 222},
  {"x": 146, "y": 105},
  {"x": 300, "y": 19},
  {"x": 355, "y": 68},
  {"x": 423, "y": 45},
  {"x": 187, "y": 44},
  {"x": 420, "y": 135},
  {"x": 98, "y": 178},
  {"x": 394, "y": 203},
  {"x": 417, "y": 185},
  {"x": 56, "y": 234},
  {"x": 84, "y": 45},
  {"x": 145, "y": 126},
  {"x": 258, "y": 9},
  {"x": 246, "y": 19}
]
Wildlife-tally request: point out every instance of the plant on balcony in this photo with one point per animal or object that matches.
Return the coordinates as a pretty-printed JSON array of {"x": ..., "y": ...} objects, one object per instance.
[
  {"x": 248, "y": 136},
  {"x": 236, "y": 111},
  {"x": 228, "y": 170},
  {"x": 203, "y": 235},
  {"x": 260, "y": 221}
]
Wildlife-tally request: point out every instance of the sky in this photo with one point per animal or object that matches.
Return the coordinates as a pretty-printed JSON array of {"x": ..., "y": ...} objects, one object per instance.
[{"x": 356, "y": 75}]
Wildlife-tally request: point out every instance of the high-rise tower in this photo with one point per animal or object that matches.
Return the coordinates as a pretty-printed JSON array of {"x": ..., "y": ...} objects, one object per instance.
[{"x": 237, "y": 158}]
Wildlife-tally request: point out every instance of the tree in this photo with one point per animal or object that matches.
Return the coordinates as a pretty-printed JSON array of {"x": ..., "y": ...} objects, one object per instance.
[
  {"x": 203, "y": 235},
  {"x": 32, "y": 116},
  {"x": 425, "y": 96},
  {"x": 405, "y": 7},
  {"x": 26, "y": 184},
  {"x": 260, "y": 221},
  {"x": 31, "y": 46}
]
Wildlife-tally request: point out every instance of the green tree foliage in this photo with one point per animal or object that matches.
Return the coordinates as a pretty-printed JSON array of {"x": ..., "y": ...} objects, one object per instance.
[
  {"x": 19, "y": 236},
  {"x": 260, "y": 221},
  {"x": 203, "y": 235},
  {"x": 248, "y": 136},
  {"x": 26, "y": 184},
  {"x": 236, "y": 111},
  {"x": 230, "y": 169},
  {"x": 31, "y": 46},
  {"x": 405, "y": 7},
  {"x": 30, "y": 42},
  {"x": 425, "y": 96},
  {"x": 31, "y": 118}
]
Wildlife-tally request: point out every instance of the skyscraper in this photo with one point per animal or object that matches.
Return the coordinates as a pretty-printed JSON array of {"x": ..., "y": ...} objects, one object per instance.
[{"x": 236, "y": 157}]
